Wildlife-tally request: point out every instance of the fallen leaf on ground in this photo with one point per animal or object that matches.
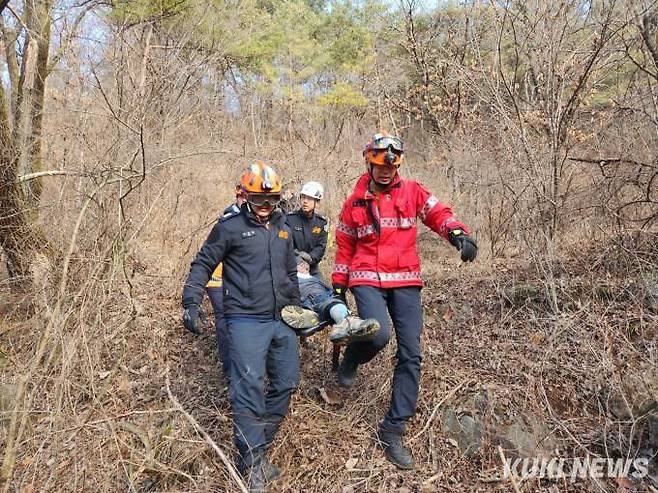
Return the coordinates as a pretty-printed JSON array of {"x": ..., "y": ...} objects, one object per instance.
[
  {"x": 351, "y": 463},
  {"x": 625, "y": 485},
  {"x": 329, "y": 396}
]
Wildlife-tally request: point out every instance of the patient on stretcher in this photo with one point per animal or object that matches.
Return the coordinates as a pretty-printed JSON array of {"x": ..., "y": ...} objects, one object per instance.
[{"x": 321, "y": 307}]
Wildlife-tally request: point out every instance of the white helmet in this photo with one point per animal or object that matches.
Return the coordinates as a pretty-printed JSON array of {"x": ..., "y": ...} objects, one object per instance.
[{"x": 312, "y": 189}]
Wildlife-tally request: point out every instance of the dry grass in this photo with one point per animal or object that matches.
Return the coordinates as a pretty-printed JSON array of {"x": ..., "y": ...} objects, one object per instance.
[
  {"x": 96, "y": 415},
  {"x": 100, "y": 418}
]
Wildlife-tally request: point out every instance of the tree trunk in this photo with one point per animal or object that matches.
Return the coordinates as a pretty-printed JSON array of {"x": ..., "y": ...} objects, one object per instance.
[
  {"x": 20, "y": 148},
  {"x": 41, "y": 18},
  {"x": 19, "y": 238}
]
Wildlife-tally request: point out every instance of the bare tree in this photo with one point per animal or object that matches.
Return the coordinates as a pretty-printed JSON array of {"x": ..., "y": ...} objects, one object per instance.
[{"x": 26, "y": 42}]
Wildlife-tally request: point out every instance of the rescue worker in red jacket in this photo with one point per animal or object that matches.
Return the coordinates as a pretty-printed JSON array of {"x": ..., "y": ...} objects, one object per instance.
[{"x": 377, "y": 259}]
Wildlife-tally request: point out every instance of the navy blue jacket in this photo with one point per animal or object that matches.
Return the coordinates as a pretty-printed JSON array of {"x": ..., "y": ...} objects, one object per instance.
[
  {"x": 309, "y": 235},
  {"x": 230, "y": 210},
  {"x": 260, "y": 272}
]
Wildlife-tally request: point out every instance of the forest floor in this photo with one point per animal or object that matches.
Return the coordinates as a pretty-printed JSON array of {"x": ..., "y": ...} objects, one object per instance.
[{"x": 508, "y": 369}]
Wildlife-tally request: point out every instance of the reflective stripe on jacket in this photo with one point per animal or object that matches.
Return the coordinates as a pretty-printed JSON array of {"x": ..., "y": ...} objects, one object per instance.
[{"x": 376, "y": 235}]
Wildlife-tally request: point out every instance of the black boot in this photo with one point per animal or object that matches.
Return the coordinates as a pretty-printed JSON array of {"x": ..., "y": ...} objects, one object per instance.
[
  {"x": 256, "y": 477},
  {"x": 394, "y": 449},
  {"x": 347, "y": 372},
  {"x": 270, "y": 470}
]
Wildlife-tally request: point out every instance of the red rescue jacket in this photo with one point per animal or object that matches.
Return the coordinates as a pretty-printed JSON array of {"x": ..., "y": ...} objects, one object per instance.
[{"x": 376, "y": 234}]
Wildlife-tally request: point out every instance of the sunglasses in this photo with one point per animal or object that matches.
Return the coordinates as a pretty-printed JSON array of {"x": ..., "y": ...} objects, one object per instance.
[
  {"x": 385, "y": 142},
  {"x": 264, "y": 199}
]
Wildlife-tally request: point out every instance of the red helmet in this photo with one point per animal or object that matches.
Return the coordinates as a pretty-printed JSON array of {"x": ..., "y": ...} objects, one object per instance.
[{"x": 384, "y": 150}]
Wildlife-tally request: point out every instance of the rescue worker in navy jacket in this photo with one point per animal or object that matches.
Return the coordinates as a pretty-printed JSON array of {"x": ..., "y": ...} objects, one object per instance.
[
  {"x": 309, "y": 229},
  {"x": 259, "y": 278}
]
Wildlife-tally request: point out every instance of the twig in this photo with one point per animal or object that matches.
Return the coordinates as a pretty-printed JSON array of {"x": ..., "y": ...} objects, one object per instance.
[
  {"x": 39, "y": 174},
  {"x": 511, "y": 476},
  {"x": 449, "y": 395},
  {"x": 17, "y": 424},
  {"x": 229, "y": 465}
]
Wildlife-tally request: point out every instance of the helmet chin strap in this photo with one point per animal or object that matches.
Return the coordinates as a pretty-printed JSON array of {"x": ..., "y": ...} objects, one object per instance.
[
  {"x": 380, "y": 186},
  {"x": 258, "y": 218}
]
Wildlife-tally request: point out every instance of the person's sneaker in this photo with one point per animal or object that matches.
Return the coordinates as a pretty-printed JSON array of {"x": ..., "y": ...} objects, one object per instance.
[
  {"x": 394, "y": 449},
  {"x": 347, "y": 373},
  {"x": 299, "y": 318},
  {"x": 353, "y": 329}
]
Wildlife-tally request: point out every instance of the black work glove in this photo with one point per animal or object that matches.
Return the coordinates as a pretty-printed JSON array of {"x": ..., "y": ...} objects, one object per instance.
[
  {"x": 464, "y": 243},
  {"x": 194, "y": 317},
  {"x": 340, "y": 292}
]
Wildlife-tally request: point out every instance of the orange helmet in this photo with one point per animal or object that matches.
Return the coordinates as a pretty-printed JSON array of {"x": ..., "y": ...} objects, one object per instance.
[
  {"x": 384, "y": 150},
  {"x": 260, "y": 178}
]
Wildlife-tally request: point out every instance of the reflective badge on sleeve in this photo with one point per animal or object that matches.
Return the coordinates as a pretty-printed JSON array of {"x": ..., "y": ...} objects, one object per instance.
[{"x": 216, "y": 278}]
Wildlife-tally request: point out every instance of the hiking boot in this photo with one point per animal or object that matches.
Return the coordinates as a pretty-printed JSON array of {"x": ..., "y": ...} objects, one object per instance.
[
  {"x": 394, "y": 449},
  {"x": 270, "y": 470},
  {"x": 299, "y": 318},
  {"x": 256, "y": 477},
  {"x": 347, "y": 373},
  {"x": 353, "y": 329}
]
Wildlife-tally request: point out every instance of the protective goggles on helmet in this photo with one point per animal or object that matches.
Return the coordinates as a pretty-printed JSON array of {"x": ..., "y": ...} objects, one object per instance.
[
  {"x": 386, "y": 142},
  {"x": 264, "y": 199}
]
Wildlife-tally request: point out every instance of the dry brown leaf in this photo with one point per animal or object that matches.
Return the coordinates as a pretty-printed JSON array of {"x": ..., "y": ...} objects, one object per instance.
[
  {"x": 103, "y": 374},
  {"x": 447, "y": 315},
  {"x": 329, "y": 396},
  {"x": 351, "y": 463},
  {"x": 537, "y": 338},
  {"x": 625, "y": 485}
]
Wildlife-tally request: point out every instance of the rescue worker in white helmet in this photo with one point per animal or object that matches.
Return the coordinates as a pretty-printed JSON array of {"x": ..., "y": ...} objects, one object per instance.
[
  {"x": 215, "y": 290},
  {"x": 309, "y": 229}
]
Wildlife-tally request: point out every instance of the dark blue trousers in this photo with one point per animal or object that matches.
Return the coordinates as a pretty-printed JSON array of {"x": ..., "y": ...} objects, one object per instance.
[
  {"x": 260, "y": 348},
  {"x": 403, "y": 305},
  {"x": 216, "y": 296}
]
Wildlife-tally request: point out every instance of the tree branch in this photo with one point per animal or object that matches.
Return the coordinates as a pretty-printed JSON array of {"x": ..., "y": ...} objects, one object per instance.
[
  {"x": 39, "y": 174},
  {"x": 199, "y": 429},
  {"x": 70, "y": 35},
  {"x": 604, "y": 161}
]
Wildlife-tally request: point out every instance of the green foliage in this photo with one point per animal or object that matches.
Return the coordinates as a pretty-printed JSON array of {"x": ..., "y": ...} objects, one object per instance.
[
  {"x": 303, "y": 51},
  {"x": 343, "y": 95},
  {"x": 134, "y": 11}
]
